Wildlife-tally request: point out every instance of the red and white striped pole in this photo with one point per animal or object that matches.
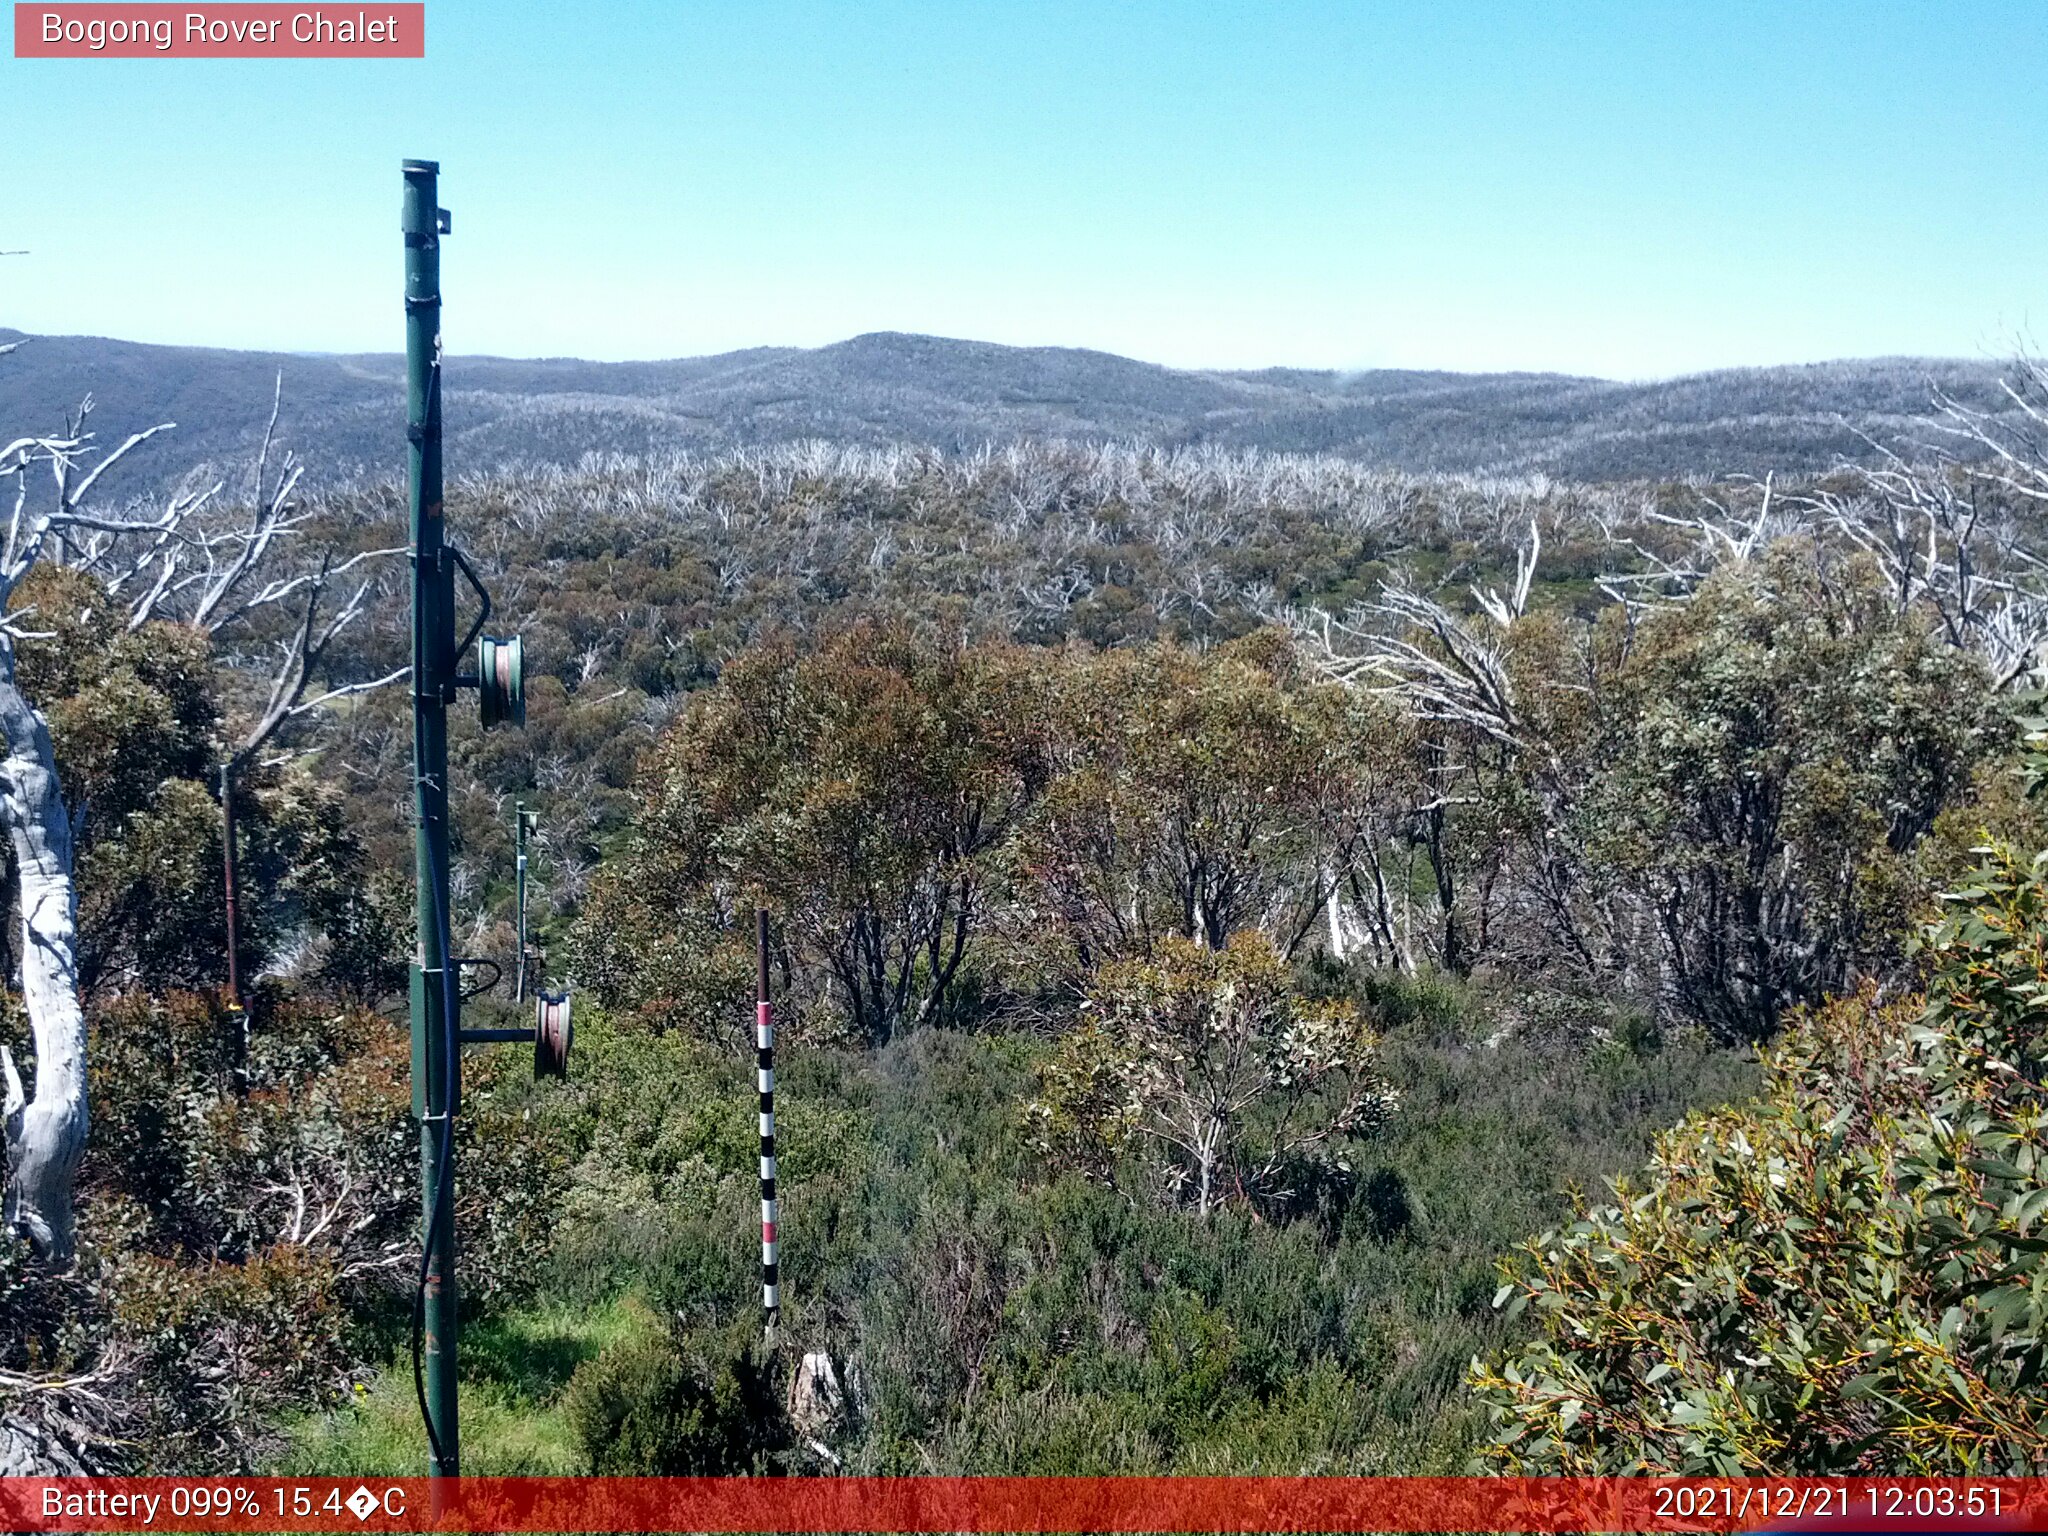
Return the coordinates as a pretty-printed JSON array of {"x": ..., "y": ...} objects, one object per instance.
[{"x": 764, "y": 1071}]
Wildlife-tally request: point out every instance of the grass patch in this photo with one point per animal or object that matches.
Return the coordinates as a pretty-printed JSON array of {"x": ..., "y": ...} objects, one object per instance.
[{"x": 514, "y": 1369}]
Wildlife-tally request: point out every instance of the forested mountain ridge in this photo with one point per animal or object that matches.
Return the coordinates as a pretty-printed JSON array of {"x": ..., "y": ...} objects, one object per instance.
[{"x": 343, "y": 411}]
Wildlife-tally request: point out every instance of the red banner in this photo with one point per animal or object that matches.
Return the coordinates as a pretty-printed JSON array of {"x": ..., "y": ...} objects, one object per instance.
[
  {"x": 1066, "y": 1504},
  {"x": 234, "y": 31}
]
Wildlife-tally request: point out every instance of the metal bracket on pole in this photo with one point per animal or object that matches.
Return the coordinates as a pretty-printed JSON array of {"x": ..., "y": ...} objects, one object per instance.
[{"x": 496, "y": 1036}]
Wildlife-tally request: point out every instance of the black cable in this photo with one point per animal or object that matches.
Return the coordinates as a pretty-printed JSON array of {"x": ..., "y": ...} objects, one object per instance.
[
  {"x": 497, "y": 975},
  {"x": 419, "y": 1299},
  {"x": 443, "y": 1186}
]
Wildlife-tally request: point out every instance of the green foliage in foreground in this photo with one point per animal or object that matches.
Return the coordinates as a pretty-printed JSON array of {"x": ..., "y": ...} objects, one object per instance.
[
  {"x": 649, "y": 1405},
  {"x": 989, "y": 1316},
  {"x": 245, "y": 1253},
  {"x": 514, "y": 1424},
  {"x": 1847, "y": 1275}
]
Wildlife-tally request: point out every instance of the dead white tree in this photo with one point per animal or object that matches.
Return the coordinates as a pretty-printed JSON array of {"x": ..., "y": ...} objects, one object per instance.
[
  {"x": 1409, "y": 649},
  {"x": 2013, "y": 442},
  {"x": 1505, "y": 608},
  {"x": 1453, "y": 675},
  {"x": 177, "y": 562},
  {"x": 220, "y": 567},
  {"x": 1948, "y": 527},
  {"x": 45, "y": 1133},
  {"x": 1721, "y": 533},
  {"x": 1947, "y": 522},
  {"x": 1449, "y": 674},
  {"x": 1941, "y": 550}
]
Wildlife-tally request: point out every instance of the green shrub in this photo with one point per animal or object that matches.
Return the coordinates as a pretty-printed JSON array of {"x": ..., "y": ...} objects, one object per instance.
[
  {"x": 1235, "y": 1085},
  {"x": 245, "y": 1253},
  {"x": 1432, "y": 1004},
  {"x": 658, "y": 1407},
  {"x": 1768, "y": 756},
  {"x": 1844, "y": 1276}
]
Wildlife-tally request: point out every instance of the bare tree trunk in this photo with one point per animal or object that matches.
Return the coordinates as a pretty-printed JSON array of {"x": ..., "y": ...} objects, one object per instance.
[
  {"x": 42, "y": 1161},
  {"x": 45, "y": 1143},
  {"x": 1206, "y": 1152}
]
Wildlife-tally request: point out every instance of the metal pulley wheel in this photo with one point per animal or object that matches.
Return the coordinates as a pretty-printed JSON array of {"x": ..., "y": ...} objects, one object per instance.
[
  {"x": 551, "y": 1035},
  {"x": 501, "y": 681}
]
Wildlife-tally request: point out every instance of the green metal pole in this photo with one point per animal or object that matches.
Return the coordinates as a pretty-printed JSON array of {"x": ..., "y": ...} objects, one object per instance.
[{"x": 435, "y": 1003}]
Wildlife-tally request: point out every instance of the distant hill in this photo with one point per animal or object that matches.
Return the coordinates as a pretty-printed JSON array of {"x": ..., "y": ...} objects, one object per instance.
[{"x": 344, "y": 414}]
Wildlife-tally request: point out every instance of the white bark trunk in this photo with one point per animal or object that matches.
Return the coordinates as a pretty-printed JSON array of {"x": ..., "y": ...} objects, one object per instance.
[
  {"x": 1393, "y": 934},
  {"x": 42, "y": 1159},
  {"x": 1206, "y": 1152}
]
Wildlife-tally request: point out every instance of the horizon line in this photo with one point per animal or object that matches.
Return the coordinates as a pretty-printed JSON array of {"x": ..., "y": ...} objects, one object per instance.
[{"x": 784, "y": 347}]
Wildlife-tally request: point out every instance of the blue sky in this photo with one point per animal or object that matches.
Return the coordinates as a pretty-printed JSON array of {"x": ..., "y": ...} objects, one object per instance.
[{"x": 1630, "y": 189}]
